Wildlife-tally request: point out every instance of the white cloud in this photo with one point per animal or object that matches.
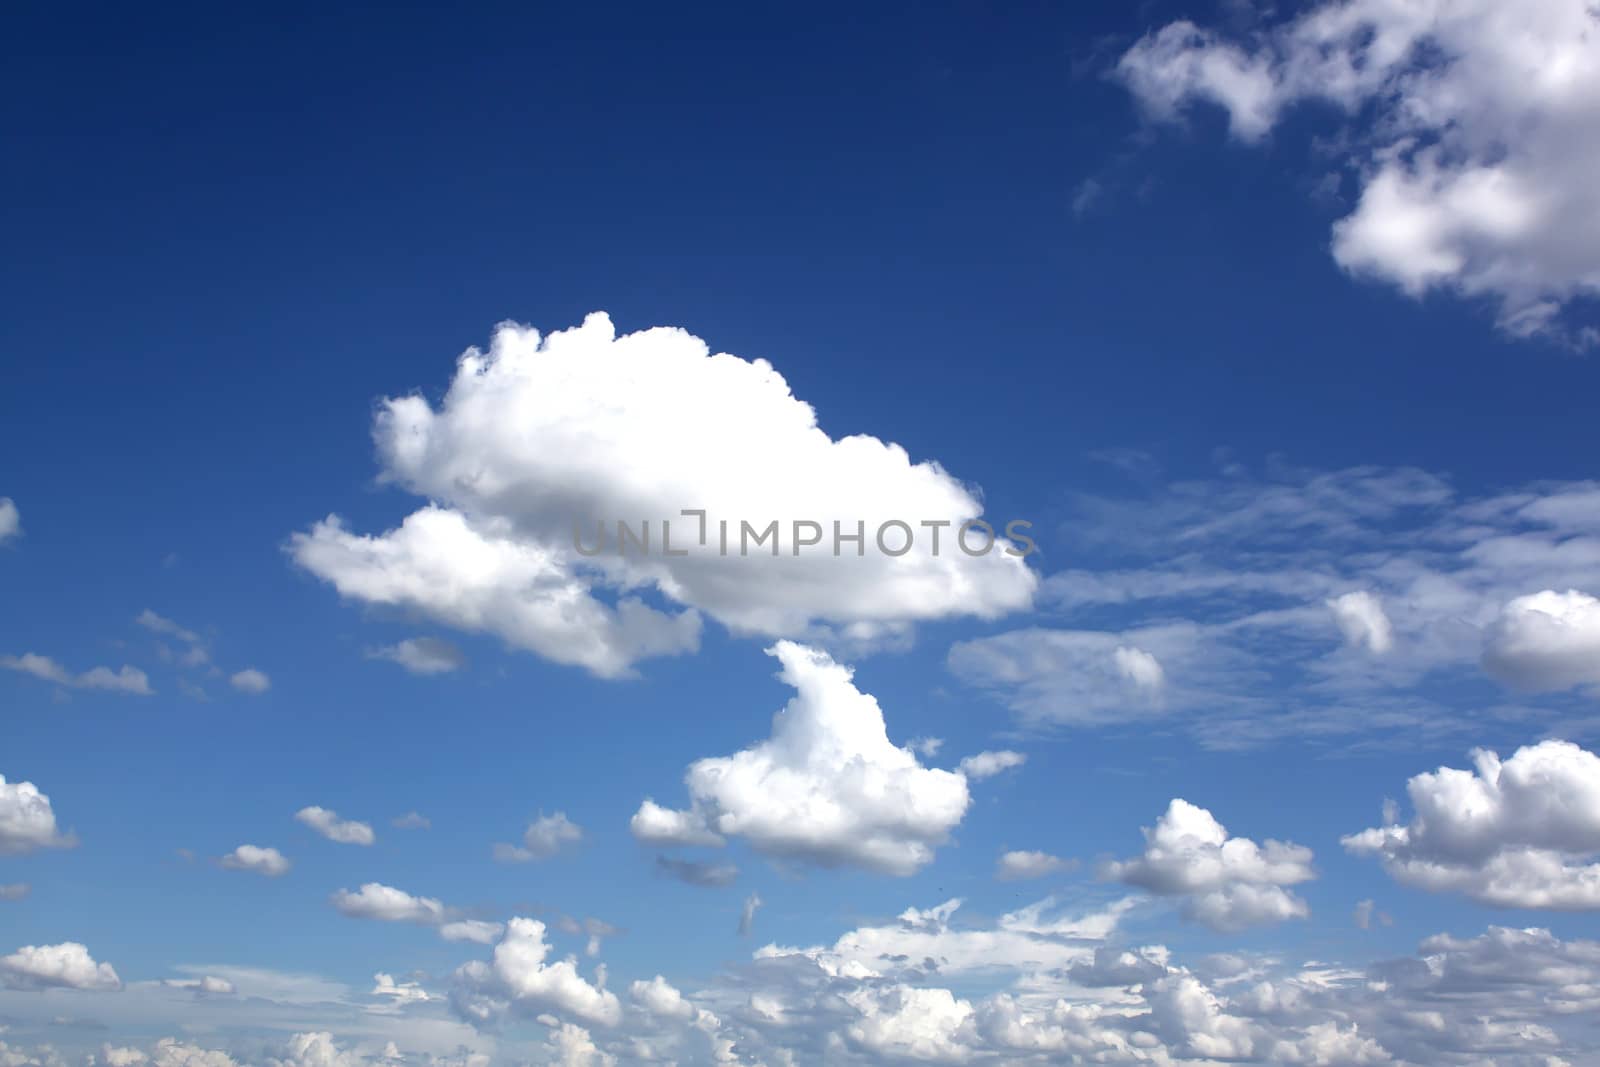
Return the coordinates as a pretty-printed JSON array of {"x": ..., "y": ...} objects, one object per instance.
[
  {"x": 931, "y": 1025},
  {"x": 423, "y": 655},
  {"x": 27, "y": 821},
  {"x": 571, "y": 1045},
  {"x": 250, "y": 681},
  {"x": 329, "y": 825},
  {"x": 66, "y": 966},
  {"x": 127, "y": 680},
  {"x": 398, "y": 994},
  {"x": 315, "y": 1049},
  {"x": 10, "y": 520},
  {"x": 988, "y": 764},
  {"x": 1472, "y": 135},
  {"x": 266, "y": 861},
  {"x": 637, "y": 428},
  {"x": 1081, "y": 676},
  {"x": 1022, "y": 864},
  {"x": 519, "y": 974},
  {"x": 1228, "y": 883},
  {"x": 1546, "y": 641},
  {"x": 161, "y": 625},
  {"x": 195, "y": 655},
  {"x": 14, "y": 890},
  {"x": 475, "y": 930},
  {"x": 827, "y": 787},
  {"x": 1523, "y": 833},
  {"x": 747, "y": 915},
  {"x": 653, "y": 824},
  {"x": 205, "y": 985},
  {"x": 660, "y": 998},
  {"x": 1139, "y": 667},
  {"x": 411, "y": 820},
  {"x": 1362, "y": 620},
  {"x": 388, "y": 904},
  {"x": 543, "y": 838}
]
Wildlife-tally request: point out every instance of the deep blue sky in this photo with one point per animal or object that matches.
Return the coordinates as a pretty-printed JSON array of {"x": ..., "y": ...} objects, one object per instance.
[{"x": 229, "y": 231}]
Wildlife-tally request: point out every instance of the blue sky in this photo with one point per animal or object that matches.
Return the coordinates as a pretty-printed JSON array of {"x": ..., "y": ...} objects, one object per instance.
[{"x": 1295, "y": 387}]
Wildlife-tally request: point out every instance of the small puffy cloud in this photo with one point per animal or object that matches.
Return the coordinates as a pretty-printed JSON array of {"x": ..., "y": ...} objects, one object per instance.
[
  {"x": 329, "y": 825},
  {"x": 411, "y": 820},
  {"x": 519, "y": 974},
  {"x": 1361, "y": 618},
  {"x": 543, "y": 838},
  {"x": 653, "y": 824},
  {"x": 1018, "y": 865},
  {"x": 126, "y": 680},
  {"x": 988, "y": 764},
  {"x": 250, "y": 681},
  {"x": 703, "y": 875},
  {"x": 478, "y": 931},
  {"x": 10, "y": 520},
  {"x": 1546, "y": 641},
  {"x": 1139, "y": 667},
  {"x": 14, "y": 890},
  {"x": 398, "y": 994},
  {"x": 828, "y": 787},
  {"x": 388, "y": 904},
  {"x": 64, "y": 966},
  {"x": 205, "y": 985},
  {"x": 265, "y": 861},
  {"x": 422, "y": 655},
  {"x": 635, "y": 429},
  {"x": 1228, "y": 883},
  {"x": 27, "y": 821},
  {"x": 1521, "y": 833}
]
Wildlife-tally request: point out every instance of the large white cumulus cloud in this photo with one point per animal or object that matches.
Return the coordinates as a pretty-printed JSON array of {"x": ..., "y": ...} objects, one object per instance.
[
  {"x": 1547, "y": 640},
  {"x": 827, "y": 787},
  {"x": 1228, "y": 883},
  {"x": 542, "y": 436},
  {"x": 1523, "y": 833},
  {"x": 1476, "y": 171}
]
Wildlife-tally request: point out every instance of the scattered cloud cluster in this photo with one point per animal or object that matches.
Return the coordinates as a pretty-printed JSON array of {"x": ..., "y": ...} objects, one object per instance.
[
  {"x": 1302, "y": 603},
  {"x": 128, "y": 679}
]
